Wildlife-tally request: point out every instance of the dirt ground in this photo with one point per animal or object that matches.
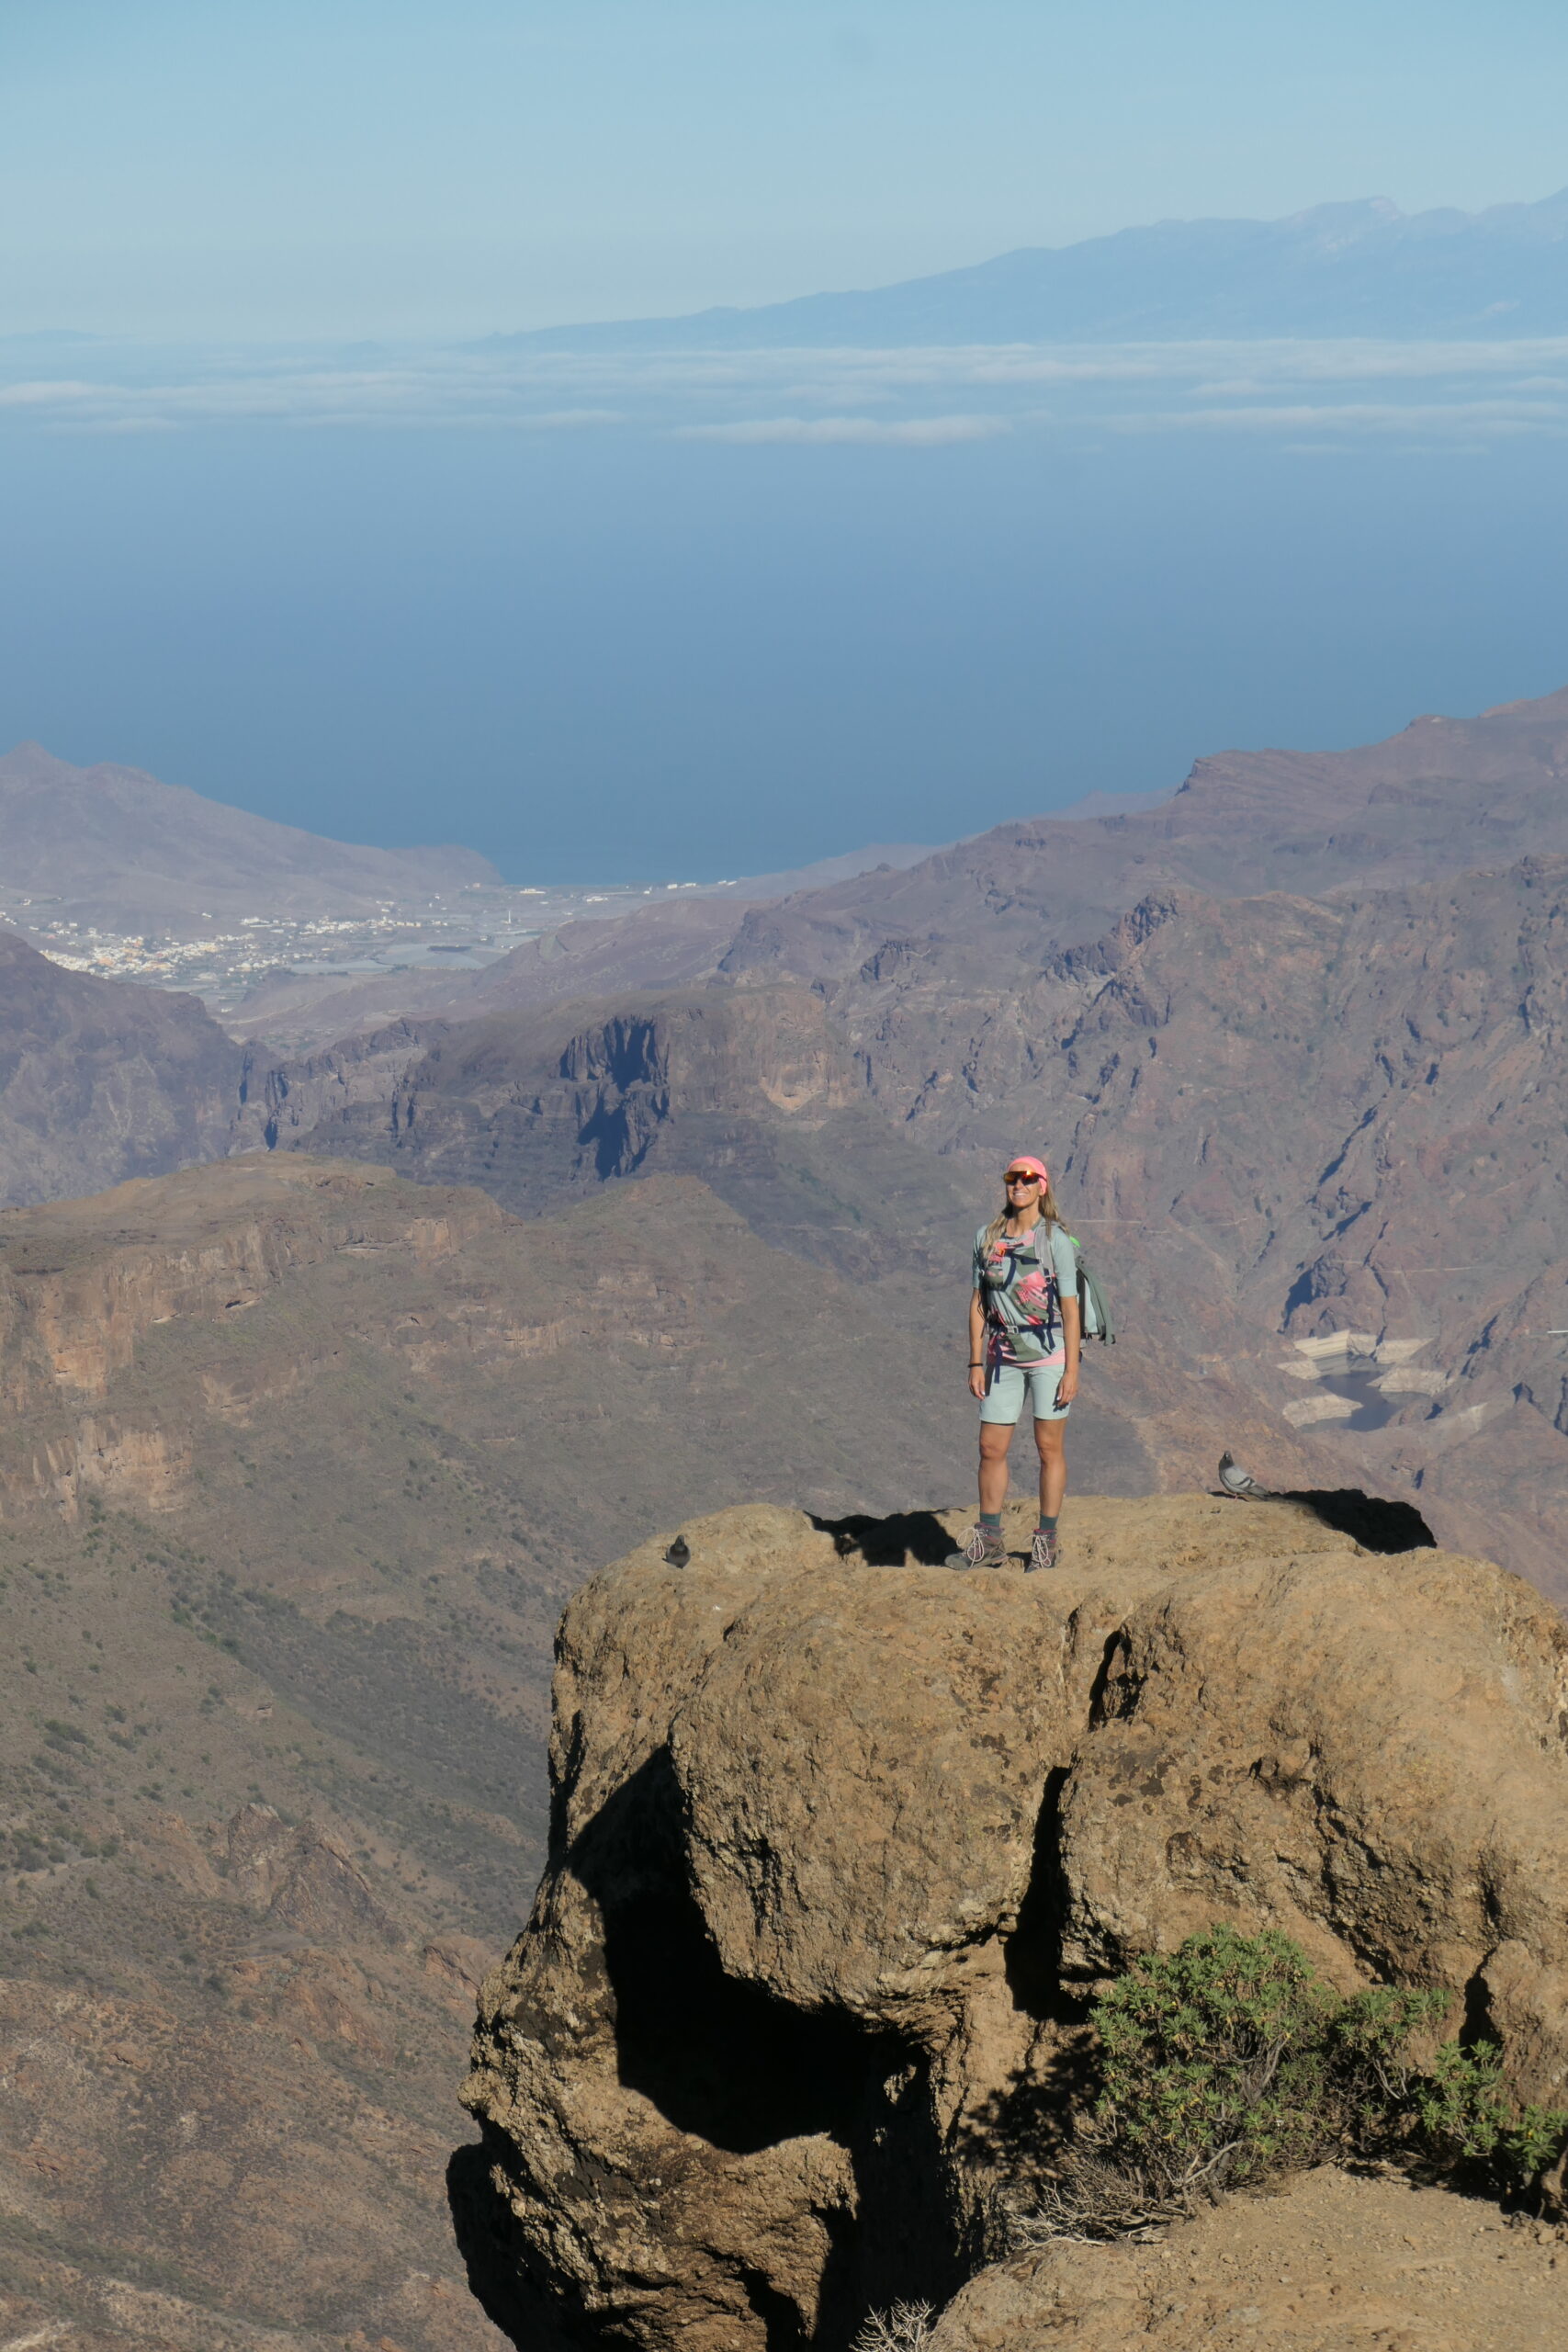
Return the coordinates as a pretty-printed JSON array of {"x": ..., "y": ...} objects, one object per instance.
[{"x": 1336, "y": 2263}]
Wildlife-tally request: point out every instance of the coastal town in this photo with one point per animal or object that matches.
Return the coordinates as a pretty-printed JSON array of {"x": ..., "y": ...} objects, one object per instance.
[{"x": 461, "y": 932}]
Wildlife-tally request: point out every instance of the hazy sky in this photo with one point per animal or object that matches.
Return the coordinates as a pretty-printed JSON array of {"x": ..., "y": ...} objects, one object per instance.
[{"x": 259, "y": 167}]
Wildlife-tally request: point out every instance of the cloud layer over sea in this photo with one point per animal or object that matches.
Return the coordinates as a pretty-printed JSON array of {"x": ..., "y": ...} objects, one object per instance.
[{"x": 1307, "y": 395}]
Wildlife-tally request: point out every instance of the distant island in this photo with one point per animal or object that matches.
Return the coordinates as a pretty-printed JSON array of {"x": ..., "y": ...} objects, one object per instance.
[{"x": 1361, "y": 268}]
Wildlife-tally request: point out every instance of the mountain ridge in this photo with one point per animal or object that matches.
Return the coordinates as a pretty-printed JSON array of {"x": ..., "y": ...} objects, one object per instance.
[
  {"x": 101, "y": 1079},
  {"x": 114, "y": 844},
  {"x": 1358, "y": 268},
  {"x": 1404, "y": 809}
]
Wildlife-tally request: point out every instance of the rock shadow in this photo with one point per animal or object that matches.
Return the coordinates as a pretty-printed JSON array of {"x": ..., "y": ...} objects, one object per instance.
[
  {"x": 527, "y": 2309},
  {"x": 907, "y": 1537},
  {"x": 1376, "y": 1524},
  {"x": 906, "y": 2242},
  {"x": 722, "y": 2058},
  {"x": 1032, "y": 1958},
  {"x": 1022, "y": 2132}
]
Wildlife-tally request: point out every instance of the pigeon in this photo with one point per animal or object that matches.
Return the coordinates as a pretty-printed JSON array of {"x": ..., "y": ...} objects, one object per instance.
[
  {"x": 1239, "y": 1482},
  {"x": 680, "y": 1552}
]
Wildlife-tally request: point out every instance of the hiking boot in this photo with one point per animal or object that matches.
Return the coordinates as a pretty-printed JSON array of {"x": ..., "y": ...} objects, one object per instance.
[
  {"x": 985, "y": 1549},
  {"x": 1044, "y": 1552}
]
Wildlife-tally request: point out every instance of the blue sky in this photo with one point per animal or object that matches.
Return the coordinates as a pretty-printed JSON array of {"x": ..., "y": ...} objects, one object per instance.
[{"x": 368, "y": 168}]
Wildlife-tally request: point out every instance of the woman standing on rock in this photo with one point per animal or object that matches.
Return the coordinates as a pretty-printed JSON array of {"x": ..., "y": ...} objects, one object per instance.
[{"x": 1025, "y": 1339}]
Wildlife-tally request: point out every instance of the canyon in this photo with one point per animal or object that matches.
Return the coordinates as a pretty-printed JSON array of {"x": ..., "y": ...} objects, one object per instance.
[
  {"x": 332, "y": 1374},
  {"x": 1291, "y": 1047},
  {"x": 292, "y": 1491},
  {"x": 1311, "y": 1144}
]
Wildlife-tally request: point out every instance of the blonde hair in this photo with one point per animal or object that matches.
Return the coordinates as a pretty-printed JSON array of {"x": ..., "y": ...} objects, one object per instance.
[{"x": 1049, "y": 1214}]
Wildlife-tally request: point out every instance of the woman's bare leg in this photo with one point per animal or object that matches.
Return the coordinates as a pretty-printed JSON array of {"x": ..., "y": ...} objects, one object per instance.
[
  {"x": 1050, "y": 1437},
  {"x": 995, "y": 1438}
]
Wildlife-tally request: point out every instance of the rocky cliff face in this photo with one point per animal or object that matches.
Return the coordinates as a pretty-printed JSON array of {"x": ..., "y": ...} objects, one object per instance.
[
  {"x": 1442, "y": 796},
  {"x": 760, "y": 1092},
  {"x": 840, "y": 1843},
  {"x": 538, "y": 1107},
  {"x": 1286, "y": 1118},
  {"x": 1273, "y": 1118},
  {"x": 101, "y": 1079}
]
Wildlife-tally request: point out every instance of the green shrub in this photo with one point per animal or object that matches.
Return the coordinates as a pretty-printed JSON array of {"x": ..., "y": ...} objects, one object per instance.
[
  {"x": 1465, "y": 2117},
  {"x": 1213, "y": 2060},
  {"x": 1230, "y": 2061}
]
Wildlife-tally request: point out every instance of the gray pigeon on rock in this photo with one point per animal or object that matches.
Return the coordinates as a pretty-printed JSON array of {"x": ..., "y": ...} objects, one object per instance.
[
  {"x": 680, "y": 1552},
  {"x": 1239, "y": 1482}
]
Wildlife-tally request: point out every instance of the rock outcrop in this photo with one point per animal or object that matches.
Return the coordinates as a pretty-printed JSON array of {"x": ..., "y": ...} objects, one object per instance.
[{"x": 840, "y": 1843}]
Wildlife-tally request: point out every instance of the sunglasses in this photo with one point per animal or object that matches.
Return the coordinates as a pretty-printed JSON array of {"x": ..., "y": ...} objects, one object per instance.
[{"x": 1011, "y": 1180}]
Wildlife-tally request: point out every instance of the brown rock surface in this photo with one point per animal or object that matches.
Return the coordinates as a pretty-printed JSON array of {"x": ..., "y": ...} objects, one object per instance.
[
  {"x": 1333, "y": 2264},
  {"x": 838, "y": 1845}
]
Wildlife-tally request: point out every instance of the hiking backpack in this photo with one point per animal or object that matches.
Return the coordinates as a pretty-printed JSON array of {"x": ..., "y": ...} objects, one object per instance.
[{"x": 1094, "y": 1307}]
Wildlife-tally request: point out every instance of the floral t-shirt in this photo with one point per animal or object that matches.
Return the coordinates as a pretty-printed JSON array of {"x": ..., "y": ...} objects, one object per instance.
[{"x": 1022, "y": 1279}]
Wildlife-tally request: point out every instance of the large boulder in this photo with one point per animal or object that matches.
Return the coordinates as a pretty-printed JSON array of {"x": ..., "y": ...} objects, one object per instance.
[{"x": 841, "y": 1845}]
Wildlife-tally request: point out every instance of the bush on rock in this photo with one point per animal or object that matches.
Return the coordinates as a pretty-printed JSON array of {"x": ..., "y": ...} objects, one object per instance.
[{"x": 1229, "y": 2063}]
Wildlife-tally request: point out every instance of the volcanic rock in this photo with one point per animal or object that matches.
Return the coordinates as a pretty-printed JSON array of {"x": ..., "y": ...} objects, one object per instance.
[{"x": 840, "y": 1845}]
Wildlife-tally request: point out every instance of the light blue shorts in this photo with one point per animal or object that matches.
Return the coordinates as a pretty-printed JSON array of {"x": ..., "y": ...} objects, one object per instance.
[{"x": 1011, "y": 1383}]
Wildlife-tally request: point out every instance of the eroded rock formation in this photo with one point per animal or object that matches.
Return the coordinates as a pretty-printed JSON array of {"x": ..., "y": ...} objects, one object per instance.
[{"x": 840, "y": 1844}]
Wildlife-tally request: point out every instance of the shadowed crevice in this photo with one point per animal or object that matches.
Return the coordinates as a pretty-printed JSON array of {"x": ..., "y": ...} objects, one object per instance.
[
  {"x": 720, "y": 2058},
  {"x": 528, "y": 2309},
  {"x": 1034, "y": 1952}
]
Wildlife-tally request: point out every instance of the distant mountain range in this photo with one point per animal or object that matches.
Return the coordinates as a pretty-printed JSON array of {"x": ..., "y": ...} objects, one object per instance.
[{"x": 1362, "y": 268}]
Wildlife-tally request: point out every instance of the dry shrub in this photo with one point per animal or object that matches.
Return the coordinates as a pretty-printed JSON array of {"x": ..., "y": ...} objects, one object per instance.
[{"x": 903, "y": 2328}]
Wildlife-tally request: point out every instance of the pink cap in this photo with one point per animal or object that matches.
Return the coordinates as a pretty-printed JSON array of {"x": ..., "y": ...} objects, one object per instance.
[{"x": 1031, "y": 1165}]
